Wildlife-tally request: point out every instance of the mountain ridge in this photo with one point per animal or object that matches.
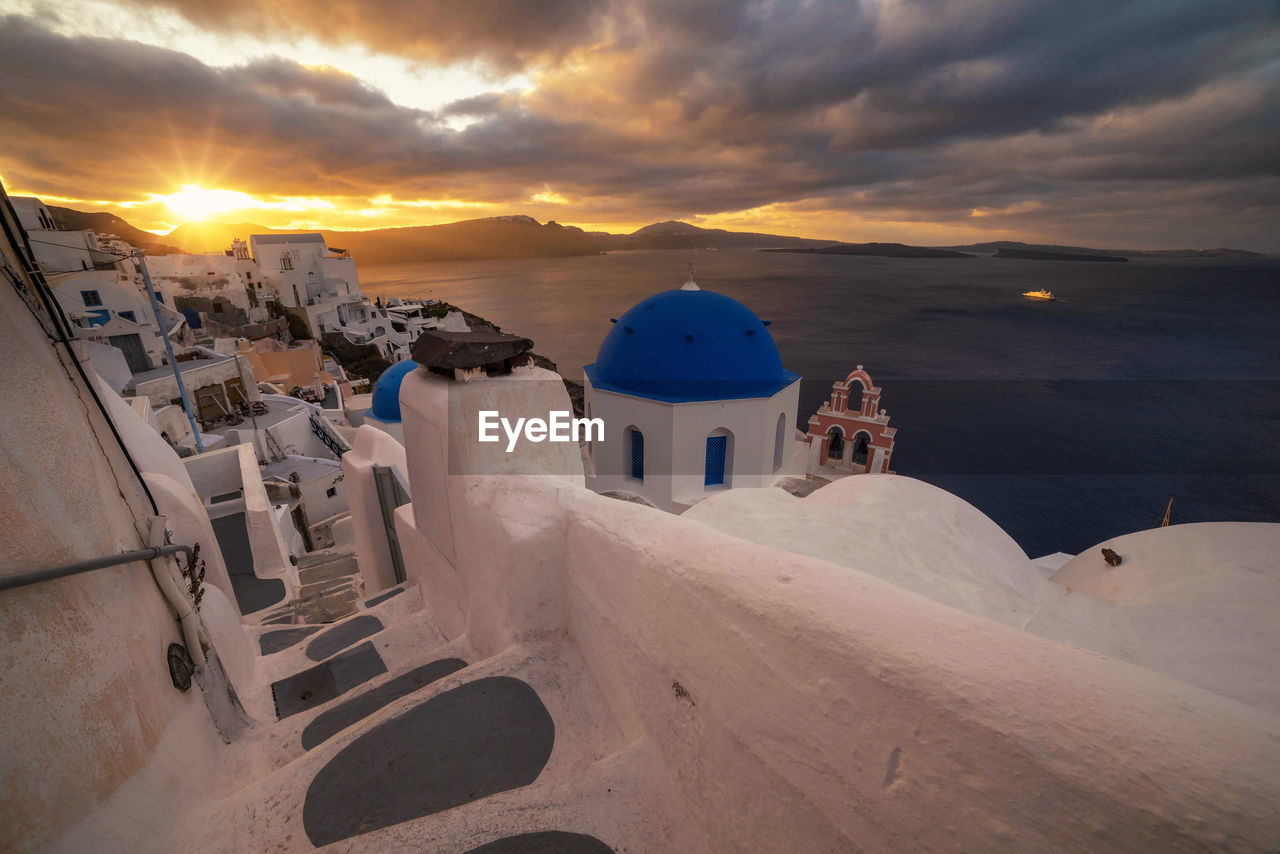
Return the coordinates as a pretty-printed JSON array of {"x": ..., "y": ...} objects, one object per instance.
[
  {"x": 522, "y": 236},
  {"x": 514, "y": 236},
  {"x": 108, "y": 223}
]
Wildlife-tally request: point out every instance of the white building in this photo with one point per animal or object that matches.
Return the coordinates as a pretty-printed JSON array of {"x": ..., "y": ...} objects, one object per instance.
[
  {"x": 302, "y": 270},
  {"x": 214, "y": 276},
  {"x": 100, "y": 292},
  {"x": 694, "y": 399},
  {"x": 215, "y": 384},
  {"x": 58, "y": 251}
]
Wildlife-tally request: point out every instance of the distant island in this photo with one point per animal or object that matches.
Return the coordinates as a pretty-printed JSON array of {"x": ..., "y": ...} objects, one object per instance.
[
  {"x": 1037, "y": 255},
  {"x": 674, "y": 234},
  {"x": 883, "y": 250},
  {"x": 994, "y": 247},
  {"x": 519, "y": 236}
]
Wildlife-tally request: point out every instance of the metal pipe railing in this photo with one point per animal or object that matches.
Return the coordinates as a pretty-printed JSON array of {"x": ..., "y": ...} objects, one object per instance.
[{"x": 27, "y": 578}]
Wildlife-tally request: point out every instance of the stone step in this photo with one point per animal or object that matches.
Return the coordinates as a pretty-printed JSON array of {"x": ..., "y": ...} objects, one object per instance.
[
  {"x": 483, "y": 737},
  {"x": 318, "y": 685},
  {"x": 349, "y": 712}
]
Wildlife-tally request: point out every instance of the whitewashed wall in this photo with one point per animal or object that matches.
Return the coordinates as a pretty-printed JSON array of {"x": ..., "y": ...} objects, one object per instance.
[
  {"x": 87, "y": 700},
  {"x": 820, "y": 708},
  {"x": 675, "y": 444}
]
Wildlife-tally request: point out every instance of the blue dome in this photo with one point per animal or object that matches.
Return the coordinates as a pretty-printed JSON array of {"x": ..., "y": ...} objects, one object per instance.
[
  {"x": 386, "y": 391},
  {"x": 689, "y": 345}
]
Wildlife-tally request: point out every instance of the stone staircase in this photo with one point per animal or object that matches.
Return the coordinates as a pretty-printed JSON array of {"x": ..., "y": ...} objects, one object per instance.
[{"x": 395, "y": 739}]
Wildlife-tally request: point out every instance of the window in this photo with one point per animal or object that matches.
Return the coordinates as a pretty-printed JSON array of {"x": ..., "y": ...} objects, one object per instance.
[
  {"x": 779, "y": 440},
  {"x": 635, "y": 439},
  {"x": 286, "y": 262},
  {"x": 717, "y": 446},
  {"x": 835, "y": 448},
  {"x": 331, "y": 491},
  {"x": 129, "y": 315},
  {"x": 91, "y": 298},
  {"x": 854, "y": 403},
  {"x": 861, "y": 444},
  {"x": 159, "y": 297}
]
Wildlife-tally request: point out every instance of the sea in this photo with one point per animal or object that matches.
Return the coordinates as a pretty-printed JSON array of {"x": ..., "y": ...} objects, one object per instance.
[{"x": 1067, "y": 422}]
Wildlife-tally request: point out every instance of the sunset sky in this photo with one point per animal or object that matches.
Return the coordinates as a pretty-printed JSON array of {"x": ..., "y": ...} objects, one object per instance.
[{"x": 1124, "y": 124}]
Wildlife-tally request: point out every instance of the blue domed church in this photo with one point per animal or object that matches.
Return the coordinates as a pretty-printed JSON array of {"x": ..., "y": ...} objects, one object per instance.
[{"x": 694, "y": 400}]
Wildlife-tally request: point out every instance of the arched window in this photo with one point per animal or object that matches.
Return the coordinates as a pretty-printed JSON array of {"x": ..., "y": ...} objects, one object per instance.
[
  {"x": 719, "y": 460},
  {"x": 779, "y": 440},
  {"x": 835, "y": 447},
  {"x": 634, "y": 452},
  {"x": 860, "y": 447},
  {"x": 856, "y": 389}
]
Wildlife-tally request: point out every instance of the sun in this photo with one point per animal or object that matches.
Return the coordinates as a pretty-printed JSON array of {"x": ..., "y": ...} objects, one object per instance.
[{"x": 194, "y": 202}]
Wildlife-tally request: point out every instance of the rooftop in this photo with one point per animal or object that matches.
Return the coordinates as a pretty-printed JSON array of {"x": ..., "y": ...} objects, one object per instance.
[
  {"x": 277, "y": 411},
  {"x": 183, "y": 367},
  {"x": 307, "y": 468},
  {"x": 268, "y": 239},
  {"x": 689, "y": 345}
]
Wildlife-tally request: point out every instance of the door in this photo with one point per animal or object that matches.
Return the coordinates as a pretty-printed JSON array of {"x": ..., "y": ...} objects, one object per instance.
[
  {"x": 391, "y": 494},
  {"x": 235, "y": 391},
  {"x": 211, "y": 403},
  {"x": 135, "y": 355},
  {"x": 716, "y": 447},
  {"x": 637, "y": 455}
]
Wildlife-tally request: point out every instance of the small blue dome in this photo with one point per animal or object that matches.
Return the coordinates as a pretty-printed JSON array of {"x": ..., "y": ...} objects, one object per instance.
[
  {"x": 386, "y": 391},
  {"x": 689, "y": 345}
]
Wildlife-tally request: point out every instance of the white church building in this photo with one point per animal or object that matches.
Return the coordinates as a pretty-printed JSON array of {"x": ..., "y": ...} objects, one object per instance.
[{"x": 694, "y": 400}]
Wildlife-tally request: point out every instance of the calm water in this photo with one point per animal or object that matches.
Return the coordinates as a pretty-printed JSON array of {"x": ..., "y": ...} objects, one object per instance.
[{"x": 1066, "y": 422}]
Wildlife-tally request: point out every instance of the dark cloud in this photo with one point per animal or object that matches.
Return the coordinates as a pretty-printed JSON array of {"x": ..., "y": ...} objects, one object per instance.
[
  {"x": 479, "y": 105},
  {"x": 506, "y": 33},
  {"x": 1150, "y": 117}
]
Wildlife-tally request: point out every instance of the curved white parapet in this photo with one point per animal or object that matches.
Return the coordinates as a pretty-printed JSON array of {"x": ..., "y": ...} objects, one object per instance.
[
  {"x": 854, "y": 711},
  {"x": 905, "y": 531},
  {"x": 1203, "y": 601},
  {"x": 371, "y": 447}
]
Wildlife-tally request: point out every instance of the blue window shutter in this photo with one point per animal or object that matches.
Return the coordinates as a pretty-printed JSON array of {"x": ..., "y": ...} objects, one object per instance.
[
  {"x": 637, "y": 454},
  {"x": 716, "y": 447}
]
